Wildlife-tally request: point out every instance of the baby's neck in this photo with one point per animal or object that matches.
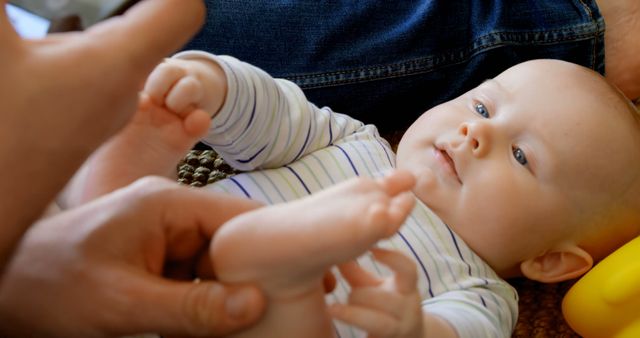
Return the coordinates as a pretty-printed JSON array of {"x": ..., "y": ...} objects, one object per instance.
[{"x": 512, "y": 272}]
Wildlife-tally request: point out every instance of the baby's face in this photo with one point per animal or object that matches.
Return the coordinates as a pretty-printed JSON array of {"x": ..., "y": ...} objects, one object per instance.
[{"x": 512, "y": 163}]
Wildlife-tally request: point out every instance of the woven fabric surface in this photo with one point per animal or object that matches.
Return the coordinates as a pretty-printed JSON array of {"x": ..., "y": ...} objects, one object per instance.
[{"x": 539, "y": 306}]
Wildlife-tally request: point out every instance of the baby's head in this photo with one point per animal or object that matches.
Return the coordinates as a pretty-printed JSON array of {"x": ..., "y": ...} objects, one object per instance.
[{"x": 538, "y": 170}]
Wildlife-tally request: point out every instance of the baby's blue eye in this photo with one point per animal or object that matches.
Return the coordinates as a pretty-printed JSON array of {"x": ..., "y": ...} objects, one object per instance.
[
  {"x": 519, "y": 156},
  {"x": 482, "y": 110}
]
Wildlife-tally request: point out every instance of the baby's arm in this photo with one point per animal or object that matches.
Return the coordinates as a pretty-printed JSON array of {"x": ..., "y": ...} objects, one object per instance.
[
  {"x": 388, "y": 307},
  {"x": 260, "y": 122}
]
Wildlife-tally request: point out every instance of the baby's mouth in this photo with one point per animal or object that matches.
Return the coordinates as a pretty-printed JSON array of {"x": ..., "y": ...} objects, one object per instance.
[{"x": 449, "y": 162}]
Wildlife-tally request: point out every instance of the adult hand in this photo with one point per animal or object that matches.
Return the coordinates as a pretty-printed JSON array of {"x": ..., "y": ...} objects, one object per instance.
[
  {"x": 622, "y": 64},
  {"x": 96, "y": 270},
  {"x": 64, "y": 95}
]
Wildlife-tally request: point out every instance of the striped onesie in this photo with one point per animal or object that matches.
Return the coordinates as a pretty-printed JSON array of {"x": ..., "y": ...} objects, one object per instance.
[{"x": 290, "y": 148}]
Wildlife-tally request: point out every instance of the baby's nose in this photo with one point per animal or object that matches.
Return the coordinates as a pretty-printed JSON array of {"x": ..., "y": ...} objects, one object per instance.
[{"x": 477, "y": 135}]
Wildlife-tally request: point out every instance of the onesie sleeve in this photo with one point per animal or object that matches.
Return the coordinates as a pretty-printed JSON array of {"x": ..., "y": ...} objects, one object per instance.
[
  {"x": 489, "y": 311},
  {"x": 265, "y": 122}
]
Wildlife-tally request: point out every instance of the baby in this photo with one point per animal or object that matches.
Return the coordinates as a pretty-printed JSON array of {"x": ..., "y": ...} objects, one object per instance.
[{"x": 534, "y": 173}]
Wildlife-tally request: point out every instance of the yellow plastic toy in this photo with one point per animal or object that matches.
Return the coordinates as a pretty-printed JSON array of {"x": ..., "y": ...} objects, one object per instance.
[{"x": 606, "y": 301}]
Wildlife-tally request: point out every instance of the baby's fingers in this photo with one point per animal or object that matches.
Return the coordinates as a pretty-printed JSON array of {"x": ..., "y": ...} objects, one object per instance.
[
  {"x": 405, "y": 270},
  {"x": 184, "y": 96},
  {"x": 375, "y": 323},
  {"x": 356, "y": 276},
  {"x": 392, "y": 303},
  {"x": 381, "y": 313},
  {"x": 161, "y": 80}
]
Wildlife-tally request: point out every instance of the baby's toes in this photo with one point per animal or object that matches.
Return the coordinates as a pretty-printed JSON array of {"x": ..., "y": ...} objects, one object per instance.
[
  {"x": 387, "y": 214},
  {"x": 399, "y": 209},
  {"x": 397, "y": 182},
  {"x": 378, "y": 215}
]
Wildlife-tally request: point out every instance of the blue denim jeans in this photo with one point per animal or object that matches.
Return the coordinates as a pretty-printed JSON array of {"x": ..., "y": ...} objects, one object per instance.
[{"x": 386, "y": 62}]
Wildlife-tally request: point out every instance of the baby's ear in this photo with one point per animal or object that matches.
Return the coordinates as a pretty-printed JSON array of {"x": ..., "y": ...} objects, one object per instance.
[{"x": 558, "y": 265}]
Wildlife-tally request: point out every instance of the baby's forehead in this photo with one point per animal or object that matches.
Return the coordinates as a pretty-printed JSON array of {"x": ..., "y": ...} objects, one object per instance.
[
  {"x": 561, "y": 91},
  {"x": 579, "y": 116},
  {"x": 553, "y": 74},
  {"x": 597, "y": 156}
]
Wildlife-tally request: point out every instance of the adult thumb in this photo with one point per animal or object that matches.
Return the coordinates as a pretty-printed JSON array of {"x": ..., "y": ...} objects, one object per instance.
[
  {"x": 204, "y": 308},
  {"x": 7, "y": 33},
  {"x": 150, "y": 30}
]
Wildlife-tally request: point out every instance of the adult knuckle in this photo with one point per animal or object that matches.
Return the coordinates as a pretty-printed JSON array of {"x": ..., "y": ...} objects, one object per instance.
[
  {"x": 153, "y": 181},
  {"x": 390, "y": 330},
  {"x": 151, "y": 185},
  {"x": 203, "y": 309}
]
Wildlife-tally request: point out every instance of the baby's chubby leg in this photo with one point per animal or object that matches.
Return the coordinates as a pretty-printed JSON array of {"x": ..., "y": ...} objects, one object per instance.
[{"x": 286, "y": 248}]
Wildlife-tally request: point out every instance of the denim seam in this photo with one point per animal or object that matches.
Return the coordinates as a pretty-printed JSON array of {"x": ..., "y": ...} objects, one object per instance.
[
  {"x": 483, "y": 43},
  {"x": 596, "y": 34}
]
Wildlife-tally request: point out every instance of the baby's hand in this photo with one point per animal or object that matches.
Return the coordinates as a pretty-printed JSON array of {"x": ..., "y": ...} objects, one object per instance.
[
  {"x": 383, "y": 307},
  {"x": 185, "y": 85}
]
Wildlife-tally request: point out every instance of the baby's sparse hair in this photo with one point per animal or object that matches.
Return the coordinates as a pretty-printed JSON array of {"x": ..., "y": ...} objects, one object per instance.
[
  {"x": 619, "y": 102},
  {"x": 622, "y": 213}
]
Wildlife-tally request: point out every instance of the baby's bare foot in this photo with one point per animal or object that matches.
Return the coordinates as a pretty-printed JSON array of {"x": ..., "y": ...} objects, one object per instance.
[
  {"x": 286, "y": 248},
  {"x": 151, "y": 144}
]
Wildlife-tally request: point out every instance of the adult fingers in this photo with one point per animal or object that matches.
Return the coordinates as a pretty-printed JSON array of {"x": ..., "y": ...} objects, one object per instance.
[
  {"x": 209, "y": 210},
  {"x": 329, "y": 281},
  {"x": 187, "y": 205},
  {"x": 190, "y": 217},
  {"x": 153, "y": 30},
  {"x": 188, "y": 308},
  {"x": 406, "y": 275},
  {"x": 188, "y": 226},
  {"x": 8, "y": 35}
]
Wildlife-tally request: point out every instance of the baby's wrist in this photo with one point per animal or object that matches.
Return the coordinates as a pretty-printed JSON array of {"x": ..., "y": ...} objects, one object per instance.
[{"x": 214, "y": 83}]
